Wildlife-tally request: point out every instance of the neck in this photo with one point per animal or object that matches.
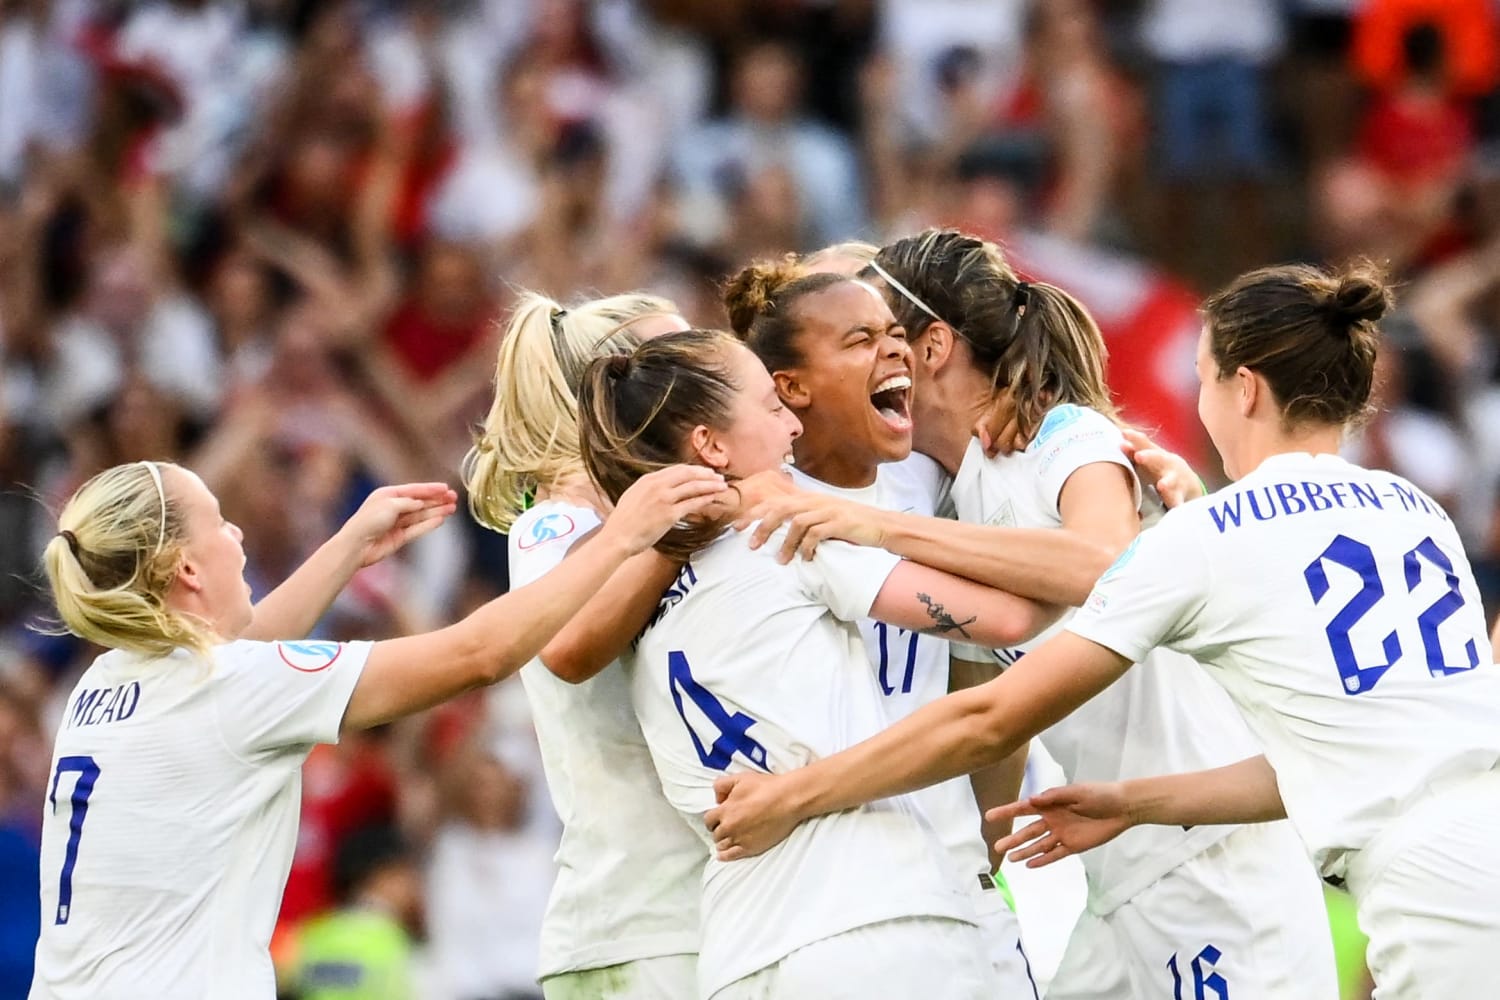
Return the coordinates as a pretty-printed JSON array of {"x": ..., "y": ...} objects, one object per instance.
[
  {"x": 1266, "y": 440},
  {"x": 834, "y": 462},
  {"x": 576, "y": 489},
  {"x": 943, "y": 432}
]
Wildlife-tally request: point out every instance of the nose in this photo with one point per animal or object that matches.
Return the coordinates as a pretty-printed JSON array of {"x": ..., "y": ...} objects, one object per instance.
[
  {"x": 239, "y": 535},
  {"x": 897, "y": 347},
  {"x": 796, "y": 424}
]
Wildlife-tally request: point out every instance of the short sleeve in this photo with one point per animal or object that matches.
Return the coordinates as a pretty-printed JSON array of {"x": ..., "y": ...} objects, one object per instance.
[
  {"x": 1070, "y": 438},
  {"x": 278, "y": 694},
  {"x": 847, "y": 578},
  {"x": 1152, "y": 595},
  {"x": 542, "y": 536}
]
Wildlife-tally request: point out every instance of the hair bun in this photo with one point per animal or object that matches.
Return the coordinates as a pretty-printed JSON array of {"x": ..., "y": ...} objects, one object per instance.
[
  {"x": 752, "y": 292},
  {"x": 1359, "y": 297}
]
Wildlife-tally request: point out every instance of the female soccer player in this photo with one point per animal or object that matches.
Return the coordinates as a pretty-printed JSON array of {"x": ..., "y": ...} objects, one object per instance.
[
  {"x": 1336, "y": 606},
  {"x": 172, "y": 814},
  {"x": 841, "y": 364},
  {"x": 622, "y": 920},
  {"x": 1242, "y": 903},
  {"x": 749, "y": 663}
]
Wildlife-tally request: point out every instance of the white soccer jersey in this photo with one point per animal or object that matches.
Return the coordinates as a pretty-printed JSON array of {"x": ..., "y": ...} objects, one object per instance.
[
  {"x": 171, "y": 817},
  {"x": 912, "y": 669},
  {"x": 752, "y": 665},
  {"x": 1162, "y": 720},
  {"x": 1336, "y": 606},
  {"x": 628, "y": 868}
]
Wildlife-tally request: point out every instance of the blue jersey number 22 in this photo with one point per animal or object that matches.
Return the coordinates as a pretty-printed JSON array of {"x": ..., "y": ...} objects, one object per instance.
[
  {"x": 1360, "y": 558},
  {"x": 88, "y": 773},
  {"x": 733, "y": 727}
]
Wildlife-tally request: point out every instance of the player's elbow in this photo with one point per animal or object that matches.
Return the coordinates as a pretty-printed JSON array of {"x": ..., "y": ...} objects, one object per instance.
[{"x": 567, "y": 661}]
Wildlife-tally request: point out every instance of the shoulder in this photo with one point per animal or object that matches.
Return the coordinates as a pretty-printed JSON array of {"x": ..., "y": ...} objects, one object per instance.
[
  {"x": 552, "y": 524},
  {"x": 542, "y": 535},
  {"x": 1068, "y": 424}
]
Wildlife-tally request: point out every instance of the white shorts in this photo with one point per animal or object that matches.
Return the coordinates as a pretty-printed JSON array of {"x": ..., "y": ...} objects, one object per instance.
[
  {"x": 666, "y": 977},
  {"x": 1245, "y": 918},
  {"x": 1428, "y": 892},
  {"x": 931, "y": 958},
  {"x": 1001, "y": 933}
]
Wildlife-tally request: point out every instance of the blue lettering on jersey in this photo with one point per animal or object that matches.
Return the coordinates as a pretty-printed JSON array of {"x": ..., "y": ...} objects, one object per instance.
[
  {"x": 1266, "y": 503},
  {"x": 547, "y": 528},
  {"x": 111, "y": 704},
  {"x": 685, "y": 581}
]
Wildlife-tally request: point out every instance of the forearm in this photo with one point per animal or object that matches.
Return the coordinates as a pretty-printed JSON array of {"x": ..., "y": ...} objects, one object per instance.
[
  {"x": 962, "y": 733},
  {"x": 941, "y": 740},
  {"x": 601, "y": 632},
  {"x": 1057, "y": 567},
  {"x": 1245, "y": 792},
  {"x": 292, "y": 609},
  {"x": 416, "y": 672}
]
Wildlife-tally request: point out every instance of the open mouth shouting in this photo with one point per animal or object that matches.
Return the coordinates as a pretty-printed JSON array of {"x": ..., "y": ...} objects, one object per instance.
[{"x": 891, "y": 399}]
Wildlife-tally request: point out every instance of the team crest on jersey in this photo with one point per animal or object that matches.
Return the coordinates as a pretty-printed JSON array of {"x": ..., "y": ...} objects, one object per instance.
[
  {"x": 309, "y": 657},
  {"x": 547, "y": 528}
]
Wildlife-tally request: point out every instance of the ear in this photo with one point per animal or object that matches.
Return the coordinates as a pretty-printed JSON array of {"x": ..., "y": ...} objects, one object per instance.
[
  {"x": 708, "y": 447},
  {"x": 790, "y": 388},
  {"x": 1250, "y": 390},
  {"x": 188, "y": 577},
  {"x": 934, "y": 348}
]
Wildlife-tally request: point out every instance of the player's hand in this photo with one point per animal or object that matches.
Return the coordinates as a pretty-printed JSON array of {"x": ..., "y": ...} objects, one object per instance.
[
  {"x": 1175, "y": 481},
  {"x": 659, "y": 500},
  {"x": 810, "y": 519},
  {"x": 752, "y": 815},
  {"x": 394, "y": 515},
  {"x": 999, "y": 429},
  {"x": 761, "y": 487},
  {"x": 1071, "y": 820}
]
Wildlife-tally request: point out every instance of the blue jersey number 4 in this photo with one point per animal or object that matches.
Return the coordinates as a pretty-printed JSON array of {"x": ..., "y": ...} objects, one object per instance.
[
  {"x": 88, "y": 773},
  {"x": 1359, "y": 558},
  {"x": 733, "y": 727}
]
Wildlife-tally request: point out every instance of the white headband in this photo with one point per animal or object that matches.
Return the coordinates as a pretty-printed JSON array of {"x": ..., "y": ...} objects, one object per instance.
[
  {"x": 161, "y": 494},
  {"x": 906, "y": 293}
]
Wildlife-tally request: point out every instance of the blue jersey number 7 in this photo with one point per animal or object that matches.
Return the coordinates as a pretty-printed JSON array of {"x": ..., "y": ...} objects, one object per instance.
[{"x": 88, "y": 773}]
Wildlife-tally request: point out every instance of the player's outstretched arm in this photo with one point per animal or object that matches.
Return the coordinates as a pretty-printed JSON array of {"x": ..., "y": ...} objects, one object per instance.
[
  {"x": 409, "y": 674},
  {"x": 597, "y": 636},
  {"x": 957, "y": 734},
  {"x": 389, "y": 518},
  {"x": 1077, "y": 818}
]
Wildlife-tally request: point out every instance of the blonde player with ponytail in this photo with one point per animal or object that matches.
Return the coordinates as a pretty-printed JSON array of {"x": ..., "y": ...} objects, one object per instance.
[
  {"x": 173, "y": 799},
  {"x": 622, "y": 920}
]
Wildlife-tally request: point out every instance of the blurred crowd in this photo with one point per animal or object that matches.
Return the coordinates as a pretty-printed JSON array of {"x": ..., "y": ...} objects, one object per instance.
[{"x": 271, "y": 239}]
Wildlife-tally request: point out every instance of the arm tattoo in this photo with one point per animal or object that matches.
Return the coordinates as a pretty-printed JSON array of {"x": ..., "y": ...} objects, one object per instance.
[{"x": 942, "y": 621}]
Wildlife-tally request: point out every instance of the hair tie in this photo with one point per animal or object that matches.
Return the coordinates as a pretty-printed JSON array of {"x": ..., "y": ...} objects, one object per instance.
[
  {"x": 1022, "y": 297},
  {"x": 161, "y": 496},
  {"x": 555, "y": 320},
  {"x": 904, "y": 292},
  {"x": 618, "y": 366},
  {"x": 71, "y": 539}
]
